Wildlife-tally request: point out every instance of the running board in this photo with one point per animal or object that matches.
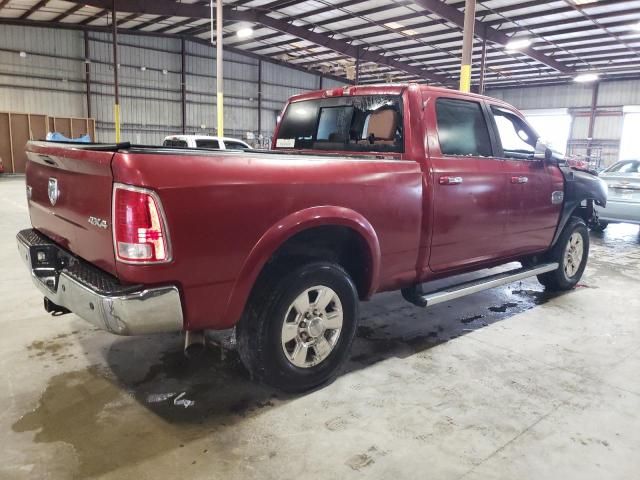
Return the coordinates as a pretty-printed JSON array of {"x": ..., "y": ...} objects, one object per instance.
[{"x": 415, "y": 295}]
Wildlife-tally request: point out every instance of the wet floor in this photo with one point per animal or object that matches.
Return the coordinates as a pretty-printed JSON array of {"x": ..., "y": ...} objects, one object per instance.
[{"x": 450, "y": 388}]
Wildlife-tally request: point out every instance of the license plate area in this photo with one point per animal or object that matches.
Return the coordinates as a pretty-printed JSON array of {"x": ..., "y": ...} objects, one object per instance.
[{"x": 47, "y": 261}]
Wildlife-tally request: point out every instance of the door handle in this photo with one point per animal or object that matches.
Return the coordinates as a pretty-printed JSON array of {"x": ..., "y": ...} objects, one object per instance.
[
  {"x": 450, "y": 180},
  {"x": 519, "y": 179}
]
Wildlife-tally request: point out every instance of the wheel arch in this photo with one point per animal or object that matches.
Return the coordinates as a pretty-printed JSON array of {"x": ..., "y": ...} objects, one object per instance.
[{"x": 279, "y": 234}]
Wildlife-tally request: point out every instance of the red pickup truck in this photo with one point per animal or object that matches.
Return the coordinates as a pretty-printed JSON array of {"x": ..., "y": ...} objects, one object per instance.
[{"x": 366, "y": 189}]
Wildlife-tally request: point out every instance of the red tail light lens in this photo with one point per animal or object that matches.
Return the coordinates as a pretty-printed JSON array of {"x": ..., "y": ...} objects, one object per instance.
[{"x": 139, "y": 231}]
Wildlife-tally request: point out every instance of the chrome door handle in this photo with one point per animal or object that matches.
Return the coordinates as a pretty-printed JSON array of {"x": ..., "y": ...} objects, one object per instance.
[
  {"x": 450, "y": 180},
  {"x": 519, "y": 179}
]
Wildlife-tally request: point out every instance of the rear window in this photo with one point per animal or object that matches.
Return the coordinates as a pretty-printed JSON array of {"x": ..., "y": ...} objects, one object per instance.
[
  {"x": 631, "y": 166},
  {"x": 207, "y": 143},
  {"x": 360, "y": 123},
  {"x": 175, "y": 143}
]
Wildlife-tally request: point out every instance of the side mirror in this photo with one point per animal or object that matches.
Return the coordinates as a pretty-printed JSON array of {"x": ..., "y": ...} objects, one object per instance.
[{"x": 543, "y": 153}]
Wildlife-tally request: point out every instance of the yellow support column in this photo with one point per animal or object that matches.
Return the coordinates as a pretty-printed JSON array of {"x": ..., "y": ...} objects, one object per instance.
[{"x": 467, "y": 45}]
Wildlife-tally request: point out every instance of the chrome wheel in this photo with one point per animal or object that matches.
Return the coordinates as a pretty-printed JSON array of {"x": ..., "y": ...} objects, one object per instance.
[
  {"x": 573, "y": 254},
  {"x": 312, "y": 326}
]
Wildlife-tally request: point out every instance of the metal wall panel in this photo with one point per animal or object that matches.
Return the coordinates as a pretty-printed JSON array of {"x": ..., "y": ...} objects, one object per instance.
[{"x": 552, "y": 96}]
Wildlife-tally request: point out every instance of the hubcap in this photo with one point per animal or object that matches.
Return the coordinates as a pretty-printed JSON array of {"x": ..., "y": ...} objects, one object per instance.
[
  {"x": 573, "y": 254},
  {"x": 312, "y": 326}
]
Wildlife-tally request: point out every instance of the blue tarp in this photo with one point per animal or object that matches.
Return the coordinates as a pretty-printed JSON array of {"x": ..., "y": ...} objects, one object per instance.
[{"x": 58, "y": 137}]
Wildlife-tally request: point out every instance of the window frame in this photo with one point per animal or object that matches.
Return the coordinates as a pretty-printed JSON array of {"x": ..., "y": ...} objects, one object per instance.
[
  {"x": 499, "y": 150},
  {"x": 484, "y": 112}
]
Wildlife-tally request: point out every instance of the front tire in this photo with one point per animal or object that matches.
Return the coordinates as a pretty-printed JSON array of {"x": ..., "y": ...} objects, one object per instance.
[
  {"x": 298, "y": 327},
  {"x": 571, "y": 253}
]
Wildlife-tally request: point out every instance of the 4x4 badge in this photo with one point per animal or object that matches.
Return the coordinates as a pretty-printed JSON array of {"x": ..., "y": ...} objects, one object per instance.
[{"x": 54, "y": 191}]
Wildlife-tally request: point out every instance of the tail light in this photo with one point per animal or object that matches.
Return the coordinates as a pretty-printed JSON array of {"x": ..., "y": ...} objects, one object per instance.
[{"x": 139, "y": 229}]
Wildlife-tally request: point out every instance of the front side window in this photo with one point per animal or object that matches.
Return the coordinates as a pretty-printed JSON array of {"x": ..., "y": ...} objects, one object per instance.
[
  {"x": 462, "y": 129},
  {"x": 360, "y": 123},
  {"x": 230, "y": 145},
  {"x": 207, "y": 143},
  {"x": 517, "y": 138}
]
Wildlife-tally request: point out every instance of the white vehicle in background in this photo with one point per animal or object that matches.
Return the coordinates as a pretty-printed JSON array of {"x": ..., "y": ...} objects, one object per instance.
[
  {"x": 203, "y": 141},
  {"x": 623, "y": 204}
]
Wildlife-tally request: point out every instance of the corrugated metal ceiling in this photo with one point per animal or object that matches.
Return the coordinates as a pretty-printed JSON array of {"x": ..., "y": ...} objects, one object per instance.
[{"x": 400, "y": 40}]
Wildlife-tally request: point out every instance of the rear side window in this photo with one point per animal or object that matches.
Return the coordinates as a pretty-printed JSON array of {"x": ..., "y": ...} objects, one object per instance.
[
  {"x": 175, "y": 143},
  {"x": 231, "y": 145},
  {"x": 462, "y": 129},
  {"x": 207, "y": 143},
  {"x": 517, "y": 138},
  {"x": 360, "y": 123}
]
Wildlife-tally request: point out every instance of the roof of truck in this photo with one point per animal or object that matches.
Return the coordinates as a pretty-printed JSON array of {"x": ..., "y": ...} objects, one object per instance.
[{"x": 382, "y": 89}]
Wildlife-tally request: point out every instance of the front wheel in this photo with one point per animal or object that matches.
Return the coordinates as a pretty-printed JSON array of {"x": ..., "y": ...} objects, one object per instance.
[
  {"x": 571, "y": 253},
  {"x": 299, "y": 326}
]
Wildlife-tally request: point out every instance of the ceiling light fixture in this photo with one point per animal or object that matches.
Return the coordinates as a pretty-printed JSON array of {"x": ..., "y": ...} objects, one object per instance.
[
  {"x": 409, "y": 32},
  {"x": 586, "y": 77},
  {"x": 636, "y": 26},
  {"x": 518, "y": 44},
  {"x": 394, "y": 25},
  {"x": 245, "y": 32},
  {"x": 23, "y": 54}
]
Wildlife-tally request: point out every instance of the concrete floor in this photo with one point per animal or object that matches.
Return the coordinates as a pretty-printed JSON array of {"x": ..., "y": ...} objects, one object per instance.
[{"x": 506, "y": 384}]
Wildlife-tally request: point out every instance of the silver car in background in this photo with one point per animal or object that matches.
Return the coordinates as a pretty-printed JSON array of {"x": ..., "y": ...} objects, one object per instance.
[{"x": 623, "y": 203}]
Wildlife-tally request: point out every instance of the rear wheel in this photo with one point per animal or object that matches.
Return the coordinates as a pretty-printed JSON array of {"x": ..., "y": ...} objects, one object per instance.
[
  {"x": 571, "y": 252},
  {"x": 298, "y": 327}
]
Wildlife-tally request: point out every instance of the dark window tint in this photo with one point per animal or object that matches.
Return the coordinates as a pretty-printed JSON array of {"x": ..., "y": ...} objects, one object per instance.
[
  {"x": 231, "y": 145},
  {"x": 207, "y": 143},
  {"x": 362, "y": 123},
  {"x": 175, "y": 143},
  {"x": 631, "y": 166},
  {"x": 462, "y": 129},
  {"x": 517, "y": 138}
]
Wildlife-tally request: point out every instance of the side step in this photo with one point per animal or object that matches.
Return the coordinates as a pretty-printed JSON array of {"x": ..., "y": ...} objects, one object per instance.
[{"x": 417, "y": 297}]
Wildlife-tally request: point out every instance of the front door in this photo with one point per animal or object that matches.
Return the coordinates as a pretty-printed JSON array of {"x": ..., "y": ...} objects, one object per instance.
[
  {"x": 534, "y": 209},
  {"x": 469, "y": 186}
]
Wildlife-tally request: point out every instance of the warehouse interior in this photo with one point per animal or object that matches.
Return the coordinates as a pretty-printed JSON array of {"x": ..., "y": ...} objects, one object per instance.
[{"x": 514, "y": 382}]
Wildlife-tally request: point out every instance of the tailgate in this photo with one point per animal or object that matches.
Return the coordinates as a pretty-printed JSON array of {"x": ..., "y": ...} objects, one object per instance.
[{"x": 69, "y": 188}]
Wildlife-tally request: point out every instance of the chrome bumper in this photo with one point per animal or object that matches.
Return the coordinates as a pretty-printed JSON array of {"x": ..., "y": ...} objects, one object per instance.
[{"x": 96, "y": 296}]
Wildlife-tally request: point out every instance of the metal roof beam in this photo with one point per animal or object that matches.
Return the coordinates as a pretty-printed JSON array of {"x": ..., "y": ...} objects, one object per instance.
[
  {"x": 483, "y": 31},
  {"x": 170, "y": 8}
]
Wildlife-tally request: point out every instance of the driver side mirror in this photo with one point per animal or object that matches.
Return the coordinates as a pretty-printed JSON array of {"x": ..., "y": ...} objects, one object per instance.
[{"x": 543, "y": 153}]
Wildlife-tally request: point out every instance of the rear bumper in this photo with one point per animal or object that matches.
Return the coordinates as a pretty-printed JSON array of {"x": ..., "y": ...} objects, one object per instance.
[{"x": 96, "y": 296}]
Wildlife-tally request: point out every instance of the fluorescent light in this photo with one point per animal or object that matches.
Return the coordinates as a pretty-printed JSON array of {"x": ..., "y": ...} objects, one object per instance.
[
  {"x": 394, "y": 25},
  {"x": 584, "y": 2},
  {"x": 23, "y": 54},
  {"x": 518, "y": 44},
  {"x": 586, "y": 77},
  {"x": 636, "y": 26},
  {"x": 409, "y": 32},
  {"x": 245, "y": 32}
]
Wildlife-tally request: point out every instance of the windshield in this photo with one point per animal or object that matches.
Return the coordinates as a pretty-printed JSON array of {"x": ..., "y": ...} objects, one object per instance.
[{"x": 359, "y": 123}]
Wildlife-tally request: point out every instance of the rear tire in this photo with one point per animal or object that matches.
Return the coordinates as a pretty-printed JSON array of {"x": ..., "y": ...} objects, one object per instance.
[
  {"x": 298, "y": 327},
  {"x": 571, "y": 252}
]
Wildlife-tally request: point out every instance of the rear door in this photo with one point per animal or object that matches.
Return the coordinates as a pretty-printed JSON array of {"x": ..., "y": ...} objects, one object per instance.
[
  {"x": 469, "y": 198},
  {"x": 69, "y": 192},
  {"x": 533, "y": 215}
]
